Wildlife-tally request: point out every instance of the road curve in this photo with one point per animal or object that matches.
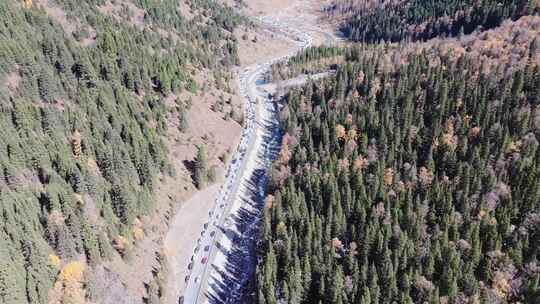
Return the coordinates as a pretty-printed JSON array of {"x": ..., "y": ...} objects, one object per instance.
[{"x": 233, "y": 221}]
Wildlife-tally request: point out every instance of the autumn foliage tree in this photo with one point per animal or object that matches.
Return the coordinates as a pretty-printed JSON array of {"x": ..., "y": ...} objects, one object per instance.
[{"x": 68, "y": 288}]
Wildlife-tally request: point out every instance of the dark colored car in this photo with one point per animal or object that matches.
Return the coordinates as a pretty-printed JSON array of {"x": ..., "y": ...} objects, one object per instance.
[{"x": 204, "y": 260}]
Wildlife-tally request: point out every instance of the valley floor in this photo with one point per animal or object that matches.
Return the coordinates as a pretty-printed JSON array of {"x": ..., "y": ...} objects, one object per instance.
[{"x": 280, "y": 34}]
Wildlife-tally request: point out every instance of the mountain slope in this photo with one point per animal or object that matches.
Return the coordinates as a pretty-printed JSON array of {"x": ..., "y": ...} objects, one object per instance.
[
  {"x": 411, "y": 176},
  {"x": 83, "y": 121},
  {"x": 374, "y": 21}
]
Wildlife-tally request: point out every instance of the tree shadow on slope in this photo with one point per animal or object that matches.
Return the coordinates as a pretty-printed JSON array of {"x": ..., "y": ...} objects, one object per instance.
[
  {"x": 232, "y": 284},
  {"x": 237, "y": 283},
  {"x": 190, "y": 166}
]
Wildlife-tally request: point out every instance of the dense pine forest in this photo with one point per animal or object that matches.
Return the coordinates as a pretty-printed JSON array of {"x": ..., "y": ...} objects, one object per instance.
[
  {"x": 81, "y": 123},
  {"x": 411, "y": 176},
  {"x": 375, "y": 21}
]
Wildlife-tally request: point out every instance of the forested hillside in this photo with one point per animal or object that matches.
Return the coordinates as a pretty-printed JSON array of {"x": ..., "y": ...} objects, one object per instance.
[
  {"x": 411, "y": 176},
  {"x": 82, "y": 124},
  {"x": 375, "y": 21}
]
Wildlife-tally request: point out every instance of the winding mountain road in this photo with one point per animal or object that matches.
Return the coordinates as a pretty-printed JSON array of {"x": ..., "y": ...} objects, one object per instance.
[{"x": 223, "y": 261}]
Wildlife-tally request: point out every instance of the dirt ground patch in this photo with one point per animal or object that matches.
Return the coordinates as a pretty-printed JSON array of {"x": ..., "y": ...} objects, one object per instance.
[
  {"x": 305, "y": 14},
  {"x": 266, "y": 7},
  {"x": 123, "y": 10},
  {"x": 213, "y": 129},
  {"x": 12, "y": 80},
  {"x": 257, "y": 44},
  {"x": 185, "y": 10},
  {"x": 72, "y": 26},
  {"x": 308, "y": 15},
  {"x": 180, "y": 241}
]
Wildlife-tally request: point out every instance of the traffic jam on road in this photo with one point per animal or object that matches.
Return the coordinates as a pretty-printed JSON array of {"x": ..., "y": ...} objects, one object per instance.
[
  {"x": 217, "y": 212},
  {"x": 218, "y": 217}
]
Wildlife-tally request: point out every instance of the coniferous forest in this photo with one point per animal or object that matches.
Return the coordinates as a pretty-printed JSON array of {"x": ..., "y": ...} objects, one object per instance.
[
  {"x": 411, "y": 176},
  {"x": 81, "y": 126},
  {"x": 370, "y": 21}
]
